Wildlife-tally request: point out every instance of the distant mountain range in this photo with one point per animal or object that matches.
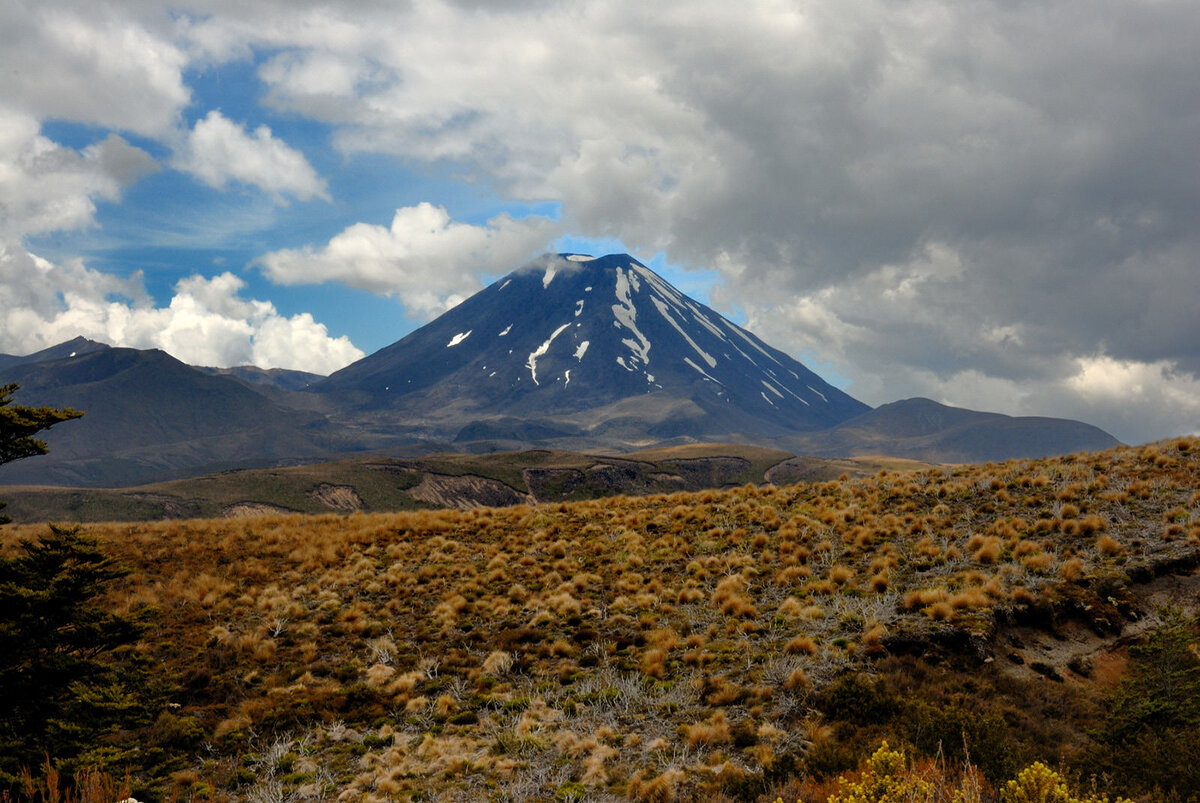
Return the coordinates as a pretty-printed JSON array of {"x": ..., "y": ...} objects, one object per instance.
[{"x": 570, "y": 352}]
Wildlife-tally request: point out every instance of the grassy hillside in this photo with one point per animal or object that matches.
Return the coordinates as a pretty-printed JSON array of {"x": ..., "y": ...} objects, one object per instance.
[
  {"x": 733, "y": 645},
  {"x": 440, "y": 480}
]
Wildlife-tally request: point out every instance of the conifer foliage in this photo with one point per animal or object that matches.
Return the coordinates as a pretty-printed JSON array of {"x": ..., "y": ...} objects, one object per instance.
[
  {"x": 19, "y": 425},
  {"x": 60, "y": 687}
]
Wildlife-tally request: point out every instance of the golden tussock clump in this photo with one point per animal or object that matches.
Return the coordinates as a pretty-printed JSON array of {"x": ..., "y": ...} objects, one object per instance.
[
  {"x": 661, "y": 788},
  {"x": 792, "y": 608},
  {"x": 1072, "y": 570},
  {"x": 714, "y": 731},
  {"x": 801, "y": 645},
  {"x": 797, "y": 680},
  {"x": 841, "y": 575}
]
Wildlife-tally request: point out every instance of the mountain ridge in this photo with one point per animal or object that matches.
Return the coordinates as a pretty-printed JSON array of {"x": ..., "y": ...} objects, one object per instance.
[
  {"x": 573, "y": 335},
  {"x": 569, "y": 352}
]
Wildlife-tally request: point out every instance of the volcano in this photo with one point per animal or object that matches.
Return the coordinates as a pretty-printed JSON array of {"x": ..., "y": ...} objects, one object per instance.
[{"x": 599, "y": 349}]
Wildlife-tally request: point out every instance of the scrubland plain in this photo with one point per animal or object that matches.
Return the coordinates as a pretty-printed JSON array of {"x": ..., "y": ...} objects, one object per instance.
[{"x": 729, "y": 645}]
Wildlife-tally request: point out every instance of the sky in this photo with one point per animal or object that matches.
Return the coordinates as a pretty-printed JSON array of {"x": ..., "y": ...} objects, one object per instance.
[{"x": 994, "y": 204}]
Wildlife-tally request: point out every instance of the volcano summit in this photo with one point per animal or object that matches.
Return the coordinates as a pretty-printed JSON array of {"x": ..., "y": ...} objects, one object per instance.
[{"x": 600, "y": 349}]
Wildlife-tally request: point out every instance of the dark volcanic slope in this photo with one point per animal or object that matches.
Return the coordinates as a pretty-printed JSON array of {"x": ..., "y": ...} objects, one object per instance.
[
  {"x": 923, "y": 429},
  {"x": 150, "y": 417},
  {"x": 598, "y": 347},
  {"x": 71, "y": 348},
  {"x": 260, "y": 378}
]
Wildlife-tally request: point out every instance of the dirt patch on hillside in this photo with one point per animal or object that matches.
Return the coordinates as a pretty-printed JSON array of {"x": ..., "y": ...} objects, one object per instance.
[
  {"x": 337, "y": 497},
  {"x": 466, "y": 491},
  {"x": 245, "y": 510},
  {"x": 1074, "y": 652}
]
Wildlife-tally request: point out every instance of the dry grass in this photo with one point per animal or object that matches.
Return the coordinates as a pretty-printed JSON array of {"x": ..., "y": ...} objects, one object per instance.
[{"x": 634, "y": 646}]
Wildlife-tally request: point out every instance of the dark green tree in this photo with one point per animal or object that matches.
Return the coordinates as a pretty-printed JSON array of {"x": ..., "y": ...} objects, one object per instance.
[
  {"x": 19, "y": 425},
  {"x": 64, "y": 683}
]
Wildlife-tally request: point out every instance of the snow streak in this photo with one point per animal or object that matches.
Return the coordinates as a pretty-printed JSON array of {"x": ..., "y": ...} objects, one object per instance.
[
  {"x": 531, "y": 363},
  {"x": 663, "y": 310},
  {"x": 626, "y": 315}
]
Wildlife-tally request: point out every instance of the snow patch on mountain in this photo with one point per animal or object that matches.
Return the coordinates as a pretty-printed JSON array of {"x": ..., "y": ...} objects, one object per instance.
[
  {"x": 507, "y": 329},
  {"x": 658, "y": 283},
  {"x": 664, "y": 310},
  {"x": 531, "y": 363},
  {"x": 626, "y": 315},
  {"x": 707, "y": 376},
  {"x": 458, "y": 338},
  {"x": 582, "y": 349},
  {"x": 737, "y": 331},
  {"x": 788, "y": 390},
  {"x": 706, "y": 323}
]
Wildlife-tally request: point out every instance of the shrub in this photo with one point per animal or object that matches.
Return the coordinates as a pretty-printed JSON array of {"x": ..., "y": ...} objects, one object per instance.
[
  {"x": 61, "y": 684},
  {"x": 1147, "y": 738},
  {"x": 1038, "y": 783},
  {"x": 886, "y": 779}
]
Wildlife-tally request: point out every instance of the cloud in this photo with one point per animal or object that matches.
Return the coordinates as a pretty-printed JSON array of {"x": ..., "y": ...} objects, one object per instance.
[
  {"x": 929, "y": 196},
  {"x": 914, "y": 329},
  {"x": 1155, "y": 400},
  {"x": 47, "y": 187},
  {"x": 424, "y": 258},
  {"x": 807, "y": 152},
  {"x": 90, "y": 63},
  {"x": 1127, "y": 391},
  {"x": 208, "y": 321},
  {"x": 218, "y": 151}
]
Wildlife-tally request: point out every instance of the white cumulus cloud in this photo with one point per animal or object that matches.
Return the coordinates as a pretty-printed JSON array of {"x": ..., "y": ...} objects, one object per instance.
[
  {"x": 218, "y": 151},
  {"x": 425, "y": 259},
  {"x": 93, "y": 63},
  {"x": 47, "y": 187},
  {"x": 207, "y": 322}
]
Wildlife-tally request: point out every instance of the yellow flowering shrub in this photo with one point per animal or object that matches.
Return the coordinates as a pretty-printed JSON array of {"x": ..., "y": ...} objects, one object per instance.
[
  {"x": 1037, "y": 783},
  {"x": 888, "y": 778},
  {"x": 885, "y": 780}
]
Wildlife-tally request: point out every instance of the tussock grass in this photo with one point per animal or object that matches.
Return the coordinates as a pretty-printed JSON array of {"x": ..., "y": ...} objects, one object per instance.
[{"x": 652, "y": 648}]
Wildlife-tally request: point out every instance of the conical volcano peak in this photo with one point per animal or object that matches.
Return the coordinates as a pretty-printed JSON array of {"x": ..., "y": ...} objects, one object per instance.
[
  {"x": 584, "y": 340},
  {"x": 619, "y": 274},
  {"x": 547, "y": 267}
]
